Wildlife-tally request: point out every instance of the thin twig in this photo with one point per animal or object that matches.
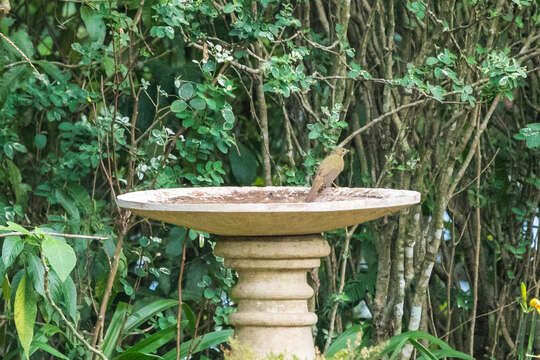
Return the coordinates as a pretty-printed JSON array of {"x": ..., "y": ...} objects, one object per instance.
[
  {"x": 8, "y": 40},
  {"x": 69, "y": 236},
  {"x": 179, "y": 318},
  {"x": 379, "y": 119},
  {"x": 341, "y": 285}
]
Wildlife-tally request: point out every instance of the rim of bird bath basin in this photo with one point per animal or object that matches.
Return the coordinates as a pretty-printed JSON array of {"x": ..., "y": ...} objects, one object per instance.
[
  {"x": 266, "y": 211},
  {"x": 272, "y": 238}
]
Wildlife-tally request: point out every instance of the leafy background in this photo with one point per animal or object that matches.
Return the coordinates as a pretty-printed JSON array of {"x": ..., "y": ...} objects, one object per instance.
[{"x": 98, "y": 98}]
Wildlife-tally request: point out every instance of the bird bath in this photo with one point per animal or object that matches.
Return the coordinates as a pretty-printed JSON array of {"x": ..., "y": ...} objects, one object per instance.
[{"x": 272, "y": 238}]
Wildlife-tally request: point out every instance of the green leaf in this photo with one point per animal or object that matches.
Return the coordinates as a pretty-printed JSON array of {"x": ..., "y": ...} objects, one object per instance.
[
  {"x": 417, "y": 8},
  {"x": 201, "y": 343},
  {"x": 70, "y": 298},
  {"x": 151, "y": 343},
  {"x": 198, "y": 103},
  {"x": 209, "y": 293},
  {"x": 60, "y": 255},
  {"x": 8, "y": 150},
  {"x": 186, "y": 91},
  {"x": 24, "y": 42},
  {"x": 10, "y": 80},
  {"x": 115, "y": 328},
  {"x": 243, "y": 165},
  {"x": 176, "y": 241},
  {"x": 40, "y": 141},
  {"x": 209, "y": 66},
  {"x": 36, "y": 272},
  {"x": 178, "y": 106},
  {"x": 95, "y": 26},
  {"x": 37, "y": 345},
  {"x": 229, "y": 8},
  {"x": 146, "y": 312},
  {"x": 68, "y": 205},
  {"x": 227, "y": 114},
  {"x": 25, "y": 310},
  {"x": 349, "y": 336},
  {"x": 137, "y": 356},
  {"x": 431, "y": 61},
  {"x": 12, "y": 247}
]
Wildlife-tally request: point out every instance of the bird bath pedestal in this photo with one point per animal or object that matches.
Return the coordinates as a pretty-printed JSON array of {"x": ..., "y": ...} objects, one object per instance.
[{"x": 272, "y": 238}]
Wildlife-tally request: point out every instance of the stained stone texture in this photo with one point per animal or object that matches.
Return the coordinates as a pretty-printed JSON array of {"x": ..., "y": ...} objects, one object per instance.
[
  {"x": 272, "y": 291},
  {"x": 271, "y": 237},
  {"x": 237, "y": 211}
]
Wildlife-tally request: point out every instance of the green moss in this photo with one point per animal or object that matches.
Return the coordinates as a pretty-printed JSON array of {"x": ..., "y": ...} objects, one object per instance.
[{"x": 351, "y": 352}]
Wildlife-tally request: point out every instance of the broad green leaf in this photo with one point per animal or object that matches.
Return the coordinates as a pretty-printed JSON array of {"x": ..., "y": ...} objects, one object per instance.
[
  {"x": 115, "y": 328},
  {"x": 151, "y": 343},
  {"x": 60, "y": 255},
  {"x": 228, "y": 115},
  {"x": 12, "y": 247},
  {"x": 95, "y": 26},
  {"x": 68, "y": 205},
  {"x": 24, "y": 42},
  {"x": 16, "y": 227},
  {"x": 243, "y": 165},
  {"x": 186, "y": 91},
  {"x": 137, "y": 356},
  {"x": 38, "y": 345},
  {"x": 25, "y": 310},
  {"x": 36, "y": 273},
  {"x": 176, "y": 241},
  {"x": 431, "y": 61},
  {"x": 147, "y": 311},
  {"x": 9, "y": 80},
  {"x": 200, "y": 343},
  {"x": 198, "y": 103},
  {"x": 349, "y": 336},
  {"x": 40, "y": 141},
  {"x": 70, "y": 298},
  {"x": 178, "y": 106}
]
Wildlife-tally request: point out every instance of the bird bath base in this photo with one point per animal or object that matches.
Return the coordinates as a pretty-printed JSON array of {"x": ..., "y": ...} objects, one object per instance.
[
  {"x": 267, "y": 239},
  {"x": 272, "y": 291}
]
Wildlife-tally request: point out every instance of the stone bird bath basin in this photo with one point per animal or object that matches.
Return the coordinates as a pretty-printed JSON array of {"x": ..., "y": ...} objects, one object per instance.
[{"x": 272, "y": 238}]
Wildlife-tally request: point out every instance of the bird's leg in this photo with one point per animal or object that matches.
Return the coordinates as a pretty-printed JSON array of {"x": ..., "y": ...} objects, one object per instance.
[{"x": 335, "y": 185}]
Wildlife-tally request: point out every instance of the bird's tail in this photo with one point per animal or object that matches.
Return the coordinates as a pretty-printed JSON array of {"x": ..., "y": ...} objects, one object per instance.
[
  {"x": 317, "y": 183},
  {"x": 312, "y": 195}
]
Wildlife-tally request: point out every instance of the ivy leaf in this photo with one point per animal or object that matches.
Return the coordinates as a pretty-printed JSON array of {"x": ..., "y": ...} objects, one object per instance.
[
  {"x": 25, "y": 309},
  {"x": 60, "y": 255}
]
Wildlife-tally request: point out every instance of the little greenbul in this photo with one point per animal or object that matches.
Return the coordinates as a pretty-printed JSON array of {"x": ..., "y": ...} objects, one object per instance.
[{"x": 328, "y": 171}]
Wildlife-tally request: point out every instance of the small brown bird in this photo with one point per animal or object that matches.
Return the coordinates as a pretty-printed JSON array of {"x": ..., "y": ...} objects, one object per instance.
[{"x": 328, "y": 171}]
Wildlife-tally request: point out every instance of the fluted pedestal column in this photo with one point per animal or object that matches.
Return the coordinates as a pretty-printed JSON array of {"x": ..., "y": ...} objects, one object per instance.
[{"x": 272, "y": 291}]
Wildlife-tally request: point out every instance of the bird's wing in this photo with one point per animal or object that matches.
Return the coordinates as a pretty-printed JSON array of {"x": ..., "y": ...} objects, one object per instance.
[{"x": 330, "y": 176}]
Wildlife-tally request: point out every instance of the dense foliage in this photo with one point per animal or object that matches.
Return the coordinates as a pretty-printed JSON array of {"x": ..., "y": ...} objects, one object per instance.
[{"x": 99, "y": 98}]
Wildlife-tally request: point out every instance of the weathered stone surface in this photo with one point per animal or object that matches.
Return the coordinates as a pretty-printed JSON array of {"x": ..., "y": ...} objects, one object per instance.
[
  {"x": 266, "y": 210},
  {"x": 272, "y": 291},
  {"x": 272, "y": 239}
]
